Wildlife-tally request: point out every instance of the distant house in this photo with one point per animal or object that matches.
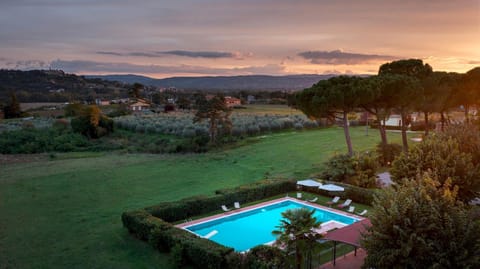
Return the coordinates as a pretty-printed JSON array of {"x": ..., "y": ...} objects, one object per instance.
[
  {"x": 100, "y": 102},
  {"x": 251, "y": 99},
  {"x": 140, "y": 105},
  {"x": 232, "y": 101},
  {"x": 394, "y": 120},
  {"x": 229, "y": 101}
]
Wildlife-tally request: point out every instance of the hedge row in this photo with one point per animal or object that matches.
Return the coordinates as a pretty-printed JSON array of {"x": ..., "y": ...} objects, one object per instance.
[
  {"x": 163, "y": 236},
  {"x": 198, "y": 205},
  {"x": 357, "y": 194}
]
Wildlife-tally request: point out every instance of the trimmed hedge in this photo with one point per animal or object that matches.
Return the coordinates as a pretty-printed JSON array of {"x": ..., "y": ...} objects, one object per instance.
[
  {"x": 357, "y": 194},
  {"x": 198, "y": 205}
]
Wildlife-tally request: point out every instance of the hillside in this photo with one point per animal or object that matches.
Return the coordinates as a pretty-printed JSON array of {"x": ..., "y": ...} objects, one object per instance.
[
  {"x": 252, "y": 82},
  {"x": 56, "y": 86}
]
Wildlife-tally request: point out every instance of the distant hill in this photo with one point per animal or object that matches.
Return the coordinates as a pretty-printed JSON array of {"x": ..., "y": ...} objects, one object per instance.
[
  {"x": 56, "y": 86},
  {"x": 252, "y": 82}
]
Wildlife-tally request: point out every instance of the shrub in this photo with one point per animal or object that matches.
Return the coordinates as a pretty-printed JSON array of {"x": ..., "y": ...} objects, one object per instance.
[
  {"x": 359, "y": 170},
  {"x": 387, "y": 153},
  {"x": 266, "y": 257}
]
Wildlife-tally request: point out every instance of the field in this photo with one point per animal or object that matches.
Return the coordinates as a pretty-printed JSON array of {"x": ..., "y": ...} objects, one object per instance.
[{"x": 65, "y": 213}]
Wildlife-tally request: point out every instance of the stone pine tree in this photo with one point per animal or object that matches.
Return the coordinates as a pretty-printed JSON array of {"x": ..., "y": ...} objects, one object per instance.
[
  {"x": 420, "y": 224},
  {"x": 296, "y": 233},
  {"x": 469, "y": 91},
  {"x": 217, "y": 113},
  {"x": 333, "y": 98}
]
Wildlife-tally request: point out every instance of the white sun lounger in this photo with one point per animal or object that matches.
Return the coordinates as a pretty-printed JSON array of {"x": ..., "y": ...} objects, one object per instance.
[
  {"x": 363, "y": 212},
  {"x": 225, "y": 208},
  {"x": 351, "y": 209},
  {"x": 313, "y": 200},
  {"x": 236, "y": 205},
  {"x": 345, "y": 204},
  {"x": 210, "y": 234},
  {"x": 299, "y": 195},
  {"x": 334, "y": 200}
]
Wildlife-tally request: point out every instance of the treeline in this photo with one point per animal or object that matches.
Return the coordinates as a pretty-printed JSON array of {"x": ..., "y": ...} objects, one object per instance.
[
  {"x": 56, "y": 86},
  {"x": 401, "y": 87}
]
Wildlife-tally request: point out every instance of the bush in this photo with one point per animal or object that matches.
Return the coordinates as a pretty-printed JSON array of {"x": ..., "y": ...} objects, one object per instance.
[
  {"x": 387, "y": 153},
  {"x": 266, "y": 257},
  {"x": 359, "y": 170}
]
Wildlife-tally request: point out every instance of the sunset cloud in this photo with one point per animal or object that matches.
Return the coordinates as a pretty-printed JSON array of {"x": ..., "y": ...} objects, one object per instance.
[
  {"x": 86, "y": 67},
  {"x": 338, "y": 57}
]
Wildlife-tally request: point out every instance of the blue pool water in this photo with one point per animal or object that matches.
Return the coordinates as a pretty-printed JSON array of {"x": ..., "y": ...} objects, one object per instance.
[{"x": 251, "y": 228}]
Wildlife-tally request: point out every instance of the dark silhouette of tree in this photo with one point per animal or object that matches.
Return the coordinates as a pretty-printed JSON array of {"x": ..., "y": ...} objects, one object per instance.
[
  {"x": 217, "y": 113},
  {"x": 333, "y": 98},
  {"x": 134, "y": 92},
  {"x": 296, "y": 233},
  {"x": 12, "y": 108},
  {"x": 405, "y": 77},
  {"x": 468, "y": 92}
]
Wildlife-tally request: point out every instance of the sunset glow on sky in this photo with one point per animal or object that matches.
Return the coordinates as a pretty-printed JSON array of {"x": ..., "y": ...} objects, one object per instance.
[{"x": 222, "y": 37}]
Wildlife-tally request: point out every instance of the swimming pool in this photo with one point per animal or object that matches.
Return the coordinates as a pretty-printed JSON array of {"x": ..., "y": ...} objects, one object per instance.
[{"x": 254, "y": 227}]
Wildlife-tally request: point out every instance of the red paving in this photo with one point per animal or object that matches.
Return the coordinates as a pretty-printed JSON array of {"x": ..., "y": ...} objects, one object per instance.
[{"x": 347, "y": 261}]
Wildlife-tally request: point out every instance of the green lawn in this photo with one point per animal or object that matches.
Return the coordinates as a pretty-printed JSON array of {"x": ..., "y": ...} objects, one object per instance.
[{"x": 65, "y": 213}]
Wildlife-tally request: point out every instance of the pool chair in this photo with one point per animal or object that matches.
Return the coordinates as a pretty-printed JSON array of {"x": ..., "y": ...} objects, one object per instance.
[
  {"x": 299, "y": 195},
  {"x": 334, "y": 200},
  {"x": 345, "y": 204},
  {"x": 363, "y": 212},
  {"x": 236, "y": 205},
  {"x": 313, "y": 200},
  {"x": 351, "y": 209},
  {"x": 224, "y": 208}
]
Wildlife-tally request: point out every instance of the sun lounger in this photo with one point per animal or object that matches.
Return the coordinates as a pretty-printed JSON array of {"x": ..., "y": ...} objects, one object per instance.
[
  {"x": 313, "y": 200},
  {"x": 345, "y": 204},
  {"x": 224, "y": 208},
  {"x": 351, "y": 209},
  {"x": 299, "y": 195},
  {"x": 236, "y": 205},
  {"x": 363, "y": 212},
  {"x": 210, "y": 234},
  {"x": 334, "y": 200}
]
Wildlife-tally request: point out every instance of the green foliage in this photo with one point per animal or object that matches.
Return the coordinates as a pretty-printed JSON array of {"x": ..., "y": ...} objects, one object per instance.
[
  {"x": 33, "y": 140},
  {"x": 331, "y": 98},
  {"x": 265, "y": 257},
  {"x": 420, "y": 225},
  {"x": 296, "y": 233},
  {"x": 443, "y": 159},
  {"x": 74, "y": 110},
  {"x": 217, "y": 113},
  {"x": 359, "y": 170},
  {"x": 387, "y": 153},
  {"x": 91, "y": 123}
]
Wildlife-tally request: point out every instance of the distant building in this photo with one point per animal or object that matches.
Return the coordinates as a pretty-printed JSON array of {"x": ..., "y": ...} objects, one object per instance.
[
  {"x": 100, "y": 102},
  {"x": 232, "y": 101},
  {"x": 250, "y": 99},
  {"x": 140, "y": 105}
]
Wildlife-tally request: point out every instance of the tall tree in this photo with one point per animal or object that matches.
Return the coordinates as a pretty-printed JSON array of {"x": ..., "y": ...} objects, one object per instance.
[
  {"x": 217, "y": 113},
  {"x": 135, "y": 90},
  {"x": 296, "y": 232},
  {"x": 333, "y": 98},
  {"x": 377, "y": 100},
  {"x": 420, "y": 225},
  {"x": 469, "y": 91},
  {"x": 409, "y": 73},
  {"x": 12, "y": 108}
]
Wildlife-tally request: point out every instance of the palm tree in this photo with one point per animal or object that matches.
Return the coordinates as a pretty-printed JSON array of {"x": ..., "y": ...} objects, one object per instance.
[{"x": 295, "y": 232}]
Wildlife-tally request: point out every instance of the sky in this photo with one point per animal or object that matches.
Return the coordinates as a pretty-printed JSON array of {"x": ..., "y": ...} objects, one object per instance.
[{"x": 161, "y": 38}]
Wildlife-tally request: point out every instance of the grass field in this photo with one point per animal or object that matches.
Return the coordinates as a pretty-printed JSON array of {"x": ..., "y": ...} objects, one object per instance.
[{"x": 65, "y": 213}]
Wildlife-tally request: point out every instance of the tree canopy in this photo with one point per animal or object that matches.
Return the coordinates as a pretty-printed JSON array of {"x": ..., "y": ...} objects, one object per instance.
[
  {"x": 333, "y": 98},
  {"x": 217, "y": 113},
  {"x": 420, "y": 225},
  {"x": 296, "y": 233}
]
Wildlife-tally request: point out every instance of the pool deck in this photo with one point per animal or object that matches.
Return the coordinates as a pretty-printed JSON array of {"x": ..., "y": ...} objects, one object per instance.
[{"x": 325, "y": 228}]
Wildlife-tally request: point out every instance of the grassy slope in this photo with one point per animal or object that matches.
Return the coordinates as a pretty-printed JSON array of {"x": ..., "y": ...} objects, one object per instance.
[{"x": 66, "y": 213}]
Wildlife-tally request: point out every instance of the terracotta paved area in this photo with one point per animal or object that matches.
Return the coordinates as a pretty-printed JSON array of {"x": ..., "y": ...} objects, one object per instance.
[{"x": 348, "y": 261}]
